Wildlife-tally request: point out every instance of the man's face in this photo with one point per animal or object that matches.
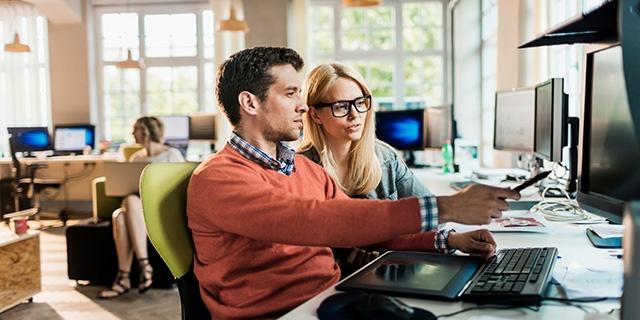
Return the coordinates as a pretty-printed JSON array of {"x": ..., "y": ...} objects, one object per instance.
[{"x": 280, "y": 115}]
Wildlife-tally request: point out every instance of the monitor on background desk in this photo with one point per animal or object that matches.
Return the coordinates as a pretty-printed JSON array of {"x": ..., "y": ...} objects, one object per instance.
[
  {"x": 404, "y": 130},
  {"x": 609, "y": 171},
  {"x": 439, "y": 126},
  {"x": 176, "y": 131},
  {"x": 73, "y": 138},
  {"x": 29, "y": 139},
  {"x": 513, "y": 122},
  {"x": 550, "y": 126}
]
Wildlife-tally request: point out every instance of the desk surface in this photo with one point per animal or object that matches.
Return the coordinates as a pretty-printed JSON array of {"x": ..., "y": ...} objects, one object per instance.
[{"x": 570, "y": 240}]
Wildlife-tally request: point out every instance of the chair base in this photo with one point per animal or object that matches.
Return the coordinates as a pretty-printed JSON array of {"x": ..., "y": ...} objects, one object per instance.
[{"x": 190, "y": 300}]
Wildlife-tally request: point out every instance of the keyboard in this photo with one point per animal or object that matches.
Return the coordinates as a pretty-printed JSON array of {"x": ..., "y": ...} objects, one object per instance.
[{"x": 514, "y": 276}]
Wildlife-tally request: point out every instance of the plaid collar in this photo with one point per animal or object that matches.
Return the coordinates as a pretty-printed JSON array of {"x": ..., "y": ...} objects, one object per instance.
[{"x": 285, "y": 155}]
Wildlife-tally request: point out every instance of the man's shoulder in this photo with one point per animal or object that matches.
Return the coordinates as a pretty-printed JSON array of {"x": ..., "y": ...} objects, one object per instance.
[{"x": 224, "y": 161}]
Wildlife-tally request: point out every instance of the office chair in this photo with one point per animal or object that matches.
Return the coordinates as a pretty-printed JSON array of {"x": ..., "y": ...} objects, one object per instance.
[
  {"x": 163, "y": 190},
  {"x": 28, "y": 188}
]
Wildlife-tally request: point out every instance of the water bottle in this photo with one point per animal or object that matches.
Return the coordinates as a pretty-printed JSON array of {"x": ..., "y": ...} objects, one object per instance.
[{"x": 447, "y": 157}]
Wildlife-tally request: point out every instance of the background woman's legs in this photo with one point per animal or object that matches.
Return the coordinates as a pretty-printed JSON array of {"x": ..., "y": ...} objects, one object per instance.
[{"x": 138, "y": 237}]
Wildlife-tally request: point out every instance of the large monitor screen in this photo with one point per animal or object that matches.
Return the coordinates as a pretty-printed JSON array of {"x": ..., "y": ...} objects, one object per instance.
[
  {"x": 176, "y": 128},
  {"x": 550, "y": 126},
  {"x": 404, "y": 130},
  {"x": 614, "y": 156},
  {"x": 29, "y": 139},
  {"x": 73, "y": 138},
  {"x": 514, "y": 114}
]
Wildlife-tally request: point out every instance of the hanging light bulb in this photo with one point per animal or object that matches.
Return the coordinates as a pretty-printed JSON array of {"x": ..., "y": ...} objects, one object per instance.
[
  {"x": 16, "y": 46},
  {"x": 361, "y": 3},
  {"x": 129, "y": 63},
  {"x": 233, "y": 24}
]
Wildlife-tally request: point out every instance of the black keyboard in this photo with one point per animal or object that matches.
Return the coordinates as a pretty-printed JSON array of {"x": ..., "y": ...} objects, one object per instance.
[{"x": 513, "y": 276}]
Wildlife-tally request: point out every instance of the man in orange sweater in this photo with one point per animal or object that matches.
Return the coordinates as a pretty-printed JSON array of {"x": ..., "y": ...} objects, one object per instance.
[{"x": 263, "y": 218}]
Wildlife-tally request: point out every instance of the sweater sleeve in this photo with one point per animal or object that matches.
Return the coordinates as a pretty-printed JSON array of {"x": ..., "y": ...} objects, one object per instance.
[{"x": 249, "y": 206}]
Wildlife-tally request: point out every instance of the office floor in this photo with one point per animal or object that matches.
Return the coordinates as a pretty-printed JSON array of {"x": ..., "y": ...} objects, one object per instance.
[{"x": 61, "y": 298}]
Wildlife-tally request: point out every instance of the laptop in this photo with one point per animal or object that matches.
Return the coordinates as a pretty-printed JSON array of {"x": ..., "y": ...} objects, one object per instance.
[
  {"x": 514, "y": 276},
  {"x": 122, "y": 178}
]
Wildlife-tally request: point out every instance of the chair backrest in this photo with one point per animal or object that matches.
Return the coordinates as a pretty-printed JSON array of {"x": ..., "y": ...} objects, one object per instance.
[
  {"x": 129, "y": 149},
  {"x": 163, "y": 190}
]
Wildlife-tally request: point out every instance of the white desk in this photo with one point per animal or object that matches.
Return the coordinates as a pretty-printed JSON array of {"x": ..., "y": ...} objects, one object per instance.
[{"x": 570, "y": 240}]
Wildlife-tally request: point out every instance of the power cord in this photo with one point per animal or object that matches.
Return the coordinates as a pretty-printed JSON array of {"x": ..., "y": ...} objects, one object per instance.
[{"x": 560, "y": 209}]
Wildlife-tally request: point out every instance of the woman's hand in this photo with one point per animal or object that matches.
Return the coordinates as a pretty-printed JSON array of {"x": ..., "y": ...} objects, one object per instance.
[{"x": 476, "y": 243}]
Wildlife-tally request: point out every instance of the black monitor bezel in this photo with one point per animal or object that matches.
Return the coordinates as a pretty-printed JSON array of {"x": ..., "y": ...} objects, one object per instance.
[
  {"x": 423, "y": 142},
  {"x": 558, "y": 141},
  {"x": 495, "y": 120},
  {"x": 48, "y": 147},
  {"x": 600, "y": 204},
  {"x": 71, "y": 126}
]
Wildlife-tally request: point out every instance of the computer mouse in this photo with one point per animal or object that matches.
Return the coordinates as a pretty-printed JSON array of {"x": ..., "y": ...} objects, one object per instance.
[
  {"x": 356, "y": 305},
  {"x": 382, "y": 307}
]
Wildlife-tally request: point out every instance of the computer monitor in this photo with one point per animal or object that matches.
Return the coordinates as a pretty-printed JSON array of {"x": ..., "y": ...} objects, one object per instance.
[
  {"x": 439, "y": 126},
  {"x": 514, "y": 120},
  {"x": 74, "y": 137},
  {"x": 176, "y": 130},
  {"x": 404, "y": 130},
  {"x": 29, "y": 139},
  {"x": 550, "y": 125},
  {"x": 609, "y": 171}
]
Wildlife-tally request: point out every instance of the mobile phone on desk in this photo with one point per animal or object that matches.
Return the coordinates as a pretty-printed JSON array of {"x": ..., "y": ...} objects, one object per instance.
[{"x": 532, "y": 181}]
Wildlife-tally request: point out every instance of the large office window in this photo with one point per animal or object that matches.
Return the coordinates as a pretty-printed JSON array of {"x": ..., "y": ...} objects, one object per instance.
[
  {"x": 25, "y": 94},
  {"x": 398, "y": 47},
  {"x": 489, "y": 53},
  {"x": 176, "y": 46}
]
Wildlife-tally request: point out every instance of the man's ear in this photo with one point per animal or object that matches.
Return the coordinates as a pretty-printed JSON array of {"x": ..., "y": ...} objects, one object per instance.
[
  {"x": 314, "y": 115},
  {"x": 248, "y": 102}
]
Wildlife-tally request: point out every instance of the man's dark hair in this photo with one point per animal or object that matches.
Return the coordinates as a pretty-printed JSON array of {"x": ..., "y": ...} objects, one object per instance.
[{"x": 248, "y": 70}]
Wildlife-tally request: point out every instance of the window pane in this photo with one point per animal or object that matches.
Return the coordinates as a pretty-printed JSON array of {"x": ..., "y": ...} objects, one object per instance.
[
  {"x": 209, "y": 80},
  {"x": 423, "y": 80},
  {"x": 170, "y": 35},
  {"x": 423, "y": 26},
  {"x": 119, "y": 33},
  {"x": 121, "y": 101},
  {"x": 207, "y": 34},
  {"x": 172, "y": 90},
  {"x": 369, "y": 28},
  {"x": 378, "y": 75},
  {"x": 322, "y": 40}
]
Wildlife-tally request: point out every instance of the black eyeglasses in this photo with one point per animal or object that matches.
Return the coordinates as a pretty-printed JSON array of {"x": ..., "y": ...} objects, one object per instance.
[{"x": 342, "y": 108}]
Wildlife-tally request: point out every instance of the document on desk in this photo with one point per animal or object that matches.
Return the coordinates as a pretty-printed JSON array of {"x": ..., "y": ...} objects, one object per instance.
[
  {"x": 578, "y": 281},
  {"x": 511, "y": 221},
  {"x": 606, "y": 231}
]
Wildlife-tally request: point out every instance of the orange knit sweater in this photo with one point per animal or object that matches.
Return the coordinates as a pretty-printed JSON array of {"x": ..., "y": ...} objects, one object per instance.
[{"x": 261, "y": 238}]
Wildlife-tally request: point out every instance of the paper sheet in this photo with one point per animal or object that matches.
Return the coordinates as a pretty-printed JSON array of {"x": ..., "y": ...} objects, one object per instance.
[
  {"x": 511, "y": 221},
  {"x": 607, "y": 231},
  {"x": 579, "y": 281}
]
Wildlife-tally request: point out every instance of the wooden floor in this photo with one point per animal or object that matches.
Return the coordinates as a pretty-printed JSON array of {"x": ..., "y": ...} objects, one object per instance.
[{"x": 62, "y": 298}]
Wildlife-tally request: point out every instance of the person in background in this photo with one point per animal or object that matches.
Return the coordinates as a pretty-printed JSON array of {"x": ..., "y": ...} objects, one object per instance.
[
  {"x": 263, "y": 219},
  {"x": 129, "y": 230},
  {"x": 339, "y": 134}
]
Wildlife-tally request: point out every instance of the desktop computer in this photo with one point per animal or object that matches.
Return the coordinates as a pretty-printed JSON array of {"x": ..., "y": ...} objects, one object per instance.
[
  {"x": 550, "y": 125},
  {"x": 28, "y": 140},
  {"x": 73, "y": 138},
  {"x": 609, "y": 171},
  {"x": 176, "y": 131},
  {"x": 513, "y": 122}
]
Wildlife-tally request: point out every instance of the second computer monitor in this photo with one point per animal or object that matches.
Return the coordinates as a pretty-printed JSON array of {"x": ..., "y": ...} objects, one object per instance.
[
  {"x": 550, "y": 126},
  {"x": 404, "y": 130},
  {"x": 29, "y": 139},
  {"x": 73, "y": 138},
  {"x": 514, "y": 114},
  {"x": 176, "y": 130}
]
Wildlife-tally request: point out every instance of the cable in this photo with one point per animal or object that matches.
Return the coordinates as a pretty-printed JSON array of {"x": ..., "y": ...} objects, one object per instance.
[
  {"x": 498, "y": 307},
  {"x": 563, "y": 209}
]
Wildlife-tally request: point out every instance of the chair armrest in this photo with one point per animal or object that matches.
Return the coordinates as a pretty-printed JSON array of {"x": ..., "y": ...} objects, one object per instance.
[{"x": 103, "y": 205}]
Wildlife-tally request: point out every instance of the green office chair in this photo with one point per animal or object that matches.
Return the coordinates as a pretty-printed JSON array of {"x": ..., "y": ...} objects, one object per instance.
[{"x": 163, "y": 190}]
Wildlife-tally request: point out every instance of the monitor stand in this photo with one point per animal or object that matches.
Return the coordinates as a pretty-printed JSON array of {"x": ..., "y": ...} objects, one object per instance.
[{"x": 410, "y": 160}]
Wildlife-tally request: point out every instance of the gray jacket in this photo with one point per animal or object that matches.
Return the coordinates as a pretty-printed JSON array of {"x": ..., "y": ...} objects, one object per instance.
[{"x": 397, "y": 180}]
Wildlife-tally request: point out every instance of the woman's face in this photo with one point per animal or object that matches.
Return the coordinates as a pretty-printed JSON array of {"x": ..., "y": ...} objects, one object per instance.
[
  {"x": 138, "y": 133},
  {"x": 341, "y": 129}
]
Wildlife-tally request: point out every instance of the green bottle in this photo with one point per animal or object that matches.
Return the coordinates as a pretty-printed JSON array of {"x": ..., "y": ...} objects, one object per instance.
[{"x": 447, "y": 157}]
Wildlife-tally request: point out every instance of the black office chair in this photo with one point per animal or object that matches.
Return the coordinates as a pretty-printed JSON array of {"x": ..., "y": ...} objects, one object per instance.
[{"x": 27, "y": 188}]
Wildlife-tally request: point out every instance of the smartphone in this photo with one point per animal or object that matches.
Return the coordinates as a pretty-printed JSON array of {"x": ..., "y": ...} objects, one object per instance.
[{"x": 532, "y": 181}]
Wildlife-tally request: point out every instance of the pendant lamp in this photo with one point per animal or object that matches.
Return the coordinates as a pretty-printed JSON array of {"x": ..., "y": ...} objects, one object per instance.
[
  {"x": 233, "y": 24},
  {"x": 16, "y": 46},
  {"x": 129, "y": 63},
  {"x": 361, "y": 3}
]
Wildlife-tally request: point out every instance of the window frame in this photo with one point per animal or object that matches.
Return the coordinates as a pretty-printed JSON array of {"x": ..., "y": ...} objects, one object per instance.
[
  {"x": 397, "y": 54},
  {"x": 199, "y": 61}
]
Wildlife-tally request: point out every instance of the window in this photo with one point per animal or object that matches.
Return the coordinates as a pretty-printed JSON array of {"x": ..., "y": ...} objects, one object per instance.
[
  {"x": 176, "y": 48},
  {"x": 489, "y": 71},
  {"x": 25, "y": 94},
  {"x": 398, "y": 47}
]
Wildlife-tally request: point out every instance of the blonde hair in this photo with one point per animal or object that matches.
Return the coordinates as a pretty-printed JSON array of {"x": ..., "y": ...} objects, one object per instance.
[{"x": 364, "y": 172}]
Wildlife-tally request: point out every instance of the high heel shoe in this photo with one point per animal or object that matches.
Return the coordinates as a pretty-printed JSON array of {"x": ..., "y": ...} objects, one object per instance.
[
  {"x": 146, "y": 275},
  {"x": 120, "y": 286}
]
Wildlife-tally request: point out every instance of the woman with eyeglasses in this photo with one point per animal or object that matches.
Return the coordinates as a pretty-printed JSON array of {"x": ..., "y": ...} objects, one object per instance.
[{"x": 339, "y": 134}]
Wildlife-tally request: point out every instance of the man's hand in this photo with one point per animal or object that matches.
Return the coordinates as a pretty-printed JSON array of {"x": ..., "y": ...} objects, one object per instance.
[
  {"x": 475, "y": 204},
  {"x": 476, "y": 243}
]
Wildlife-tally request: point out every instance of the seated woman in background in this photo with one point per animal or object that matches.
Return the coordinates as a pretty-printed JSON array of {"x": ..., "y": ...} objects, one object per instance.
[
  {"x": 339, "y": 134},
  {"x": 129, "y": 230}
]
